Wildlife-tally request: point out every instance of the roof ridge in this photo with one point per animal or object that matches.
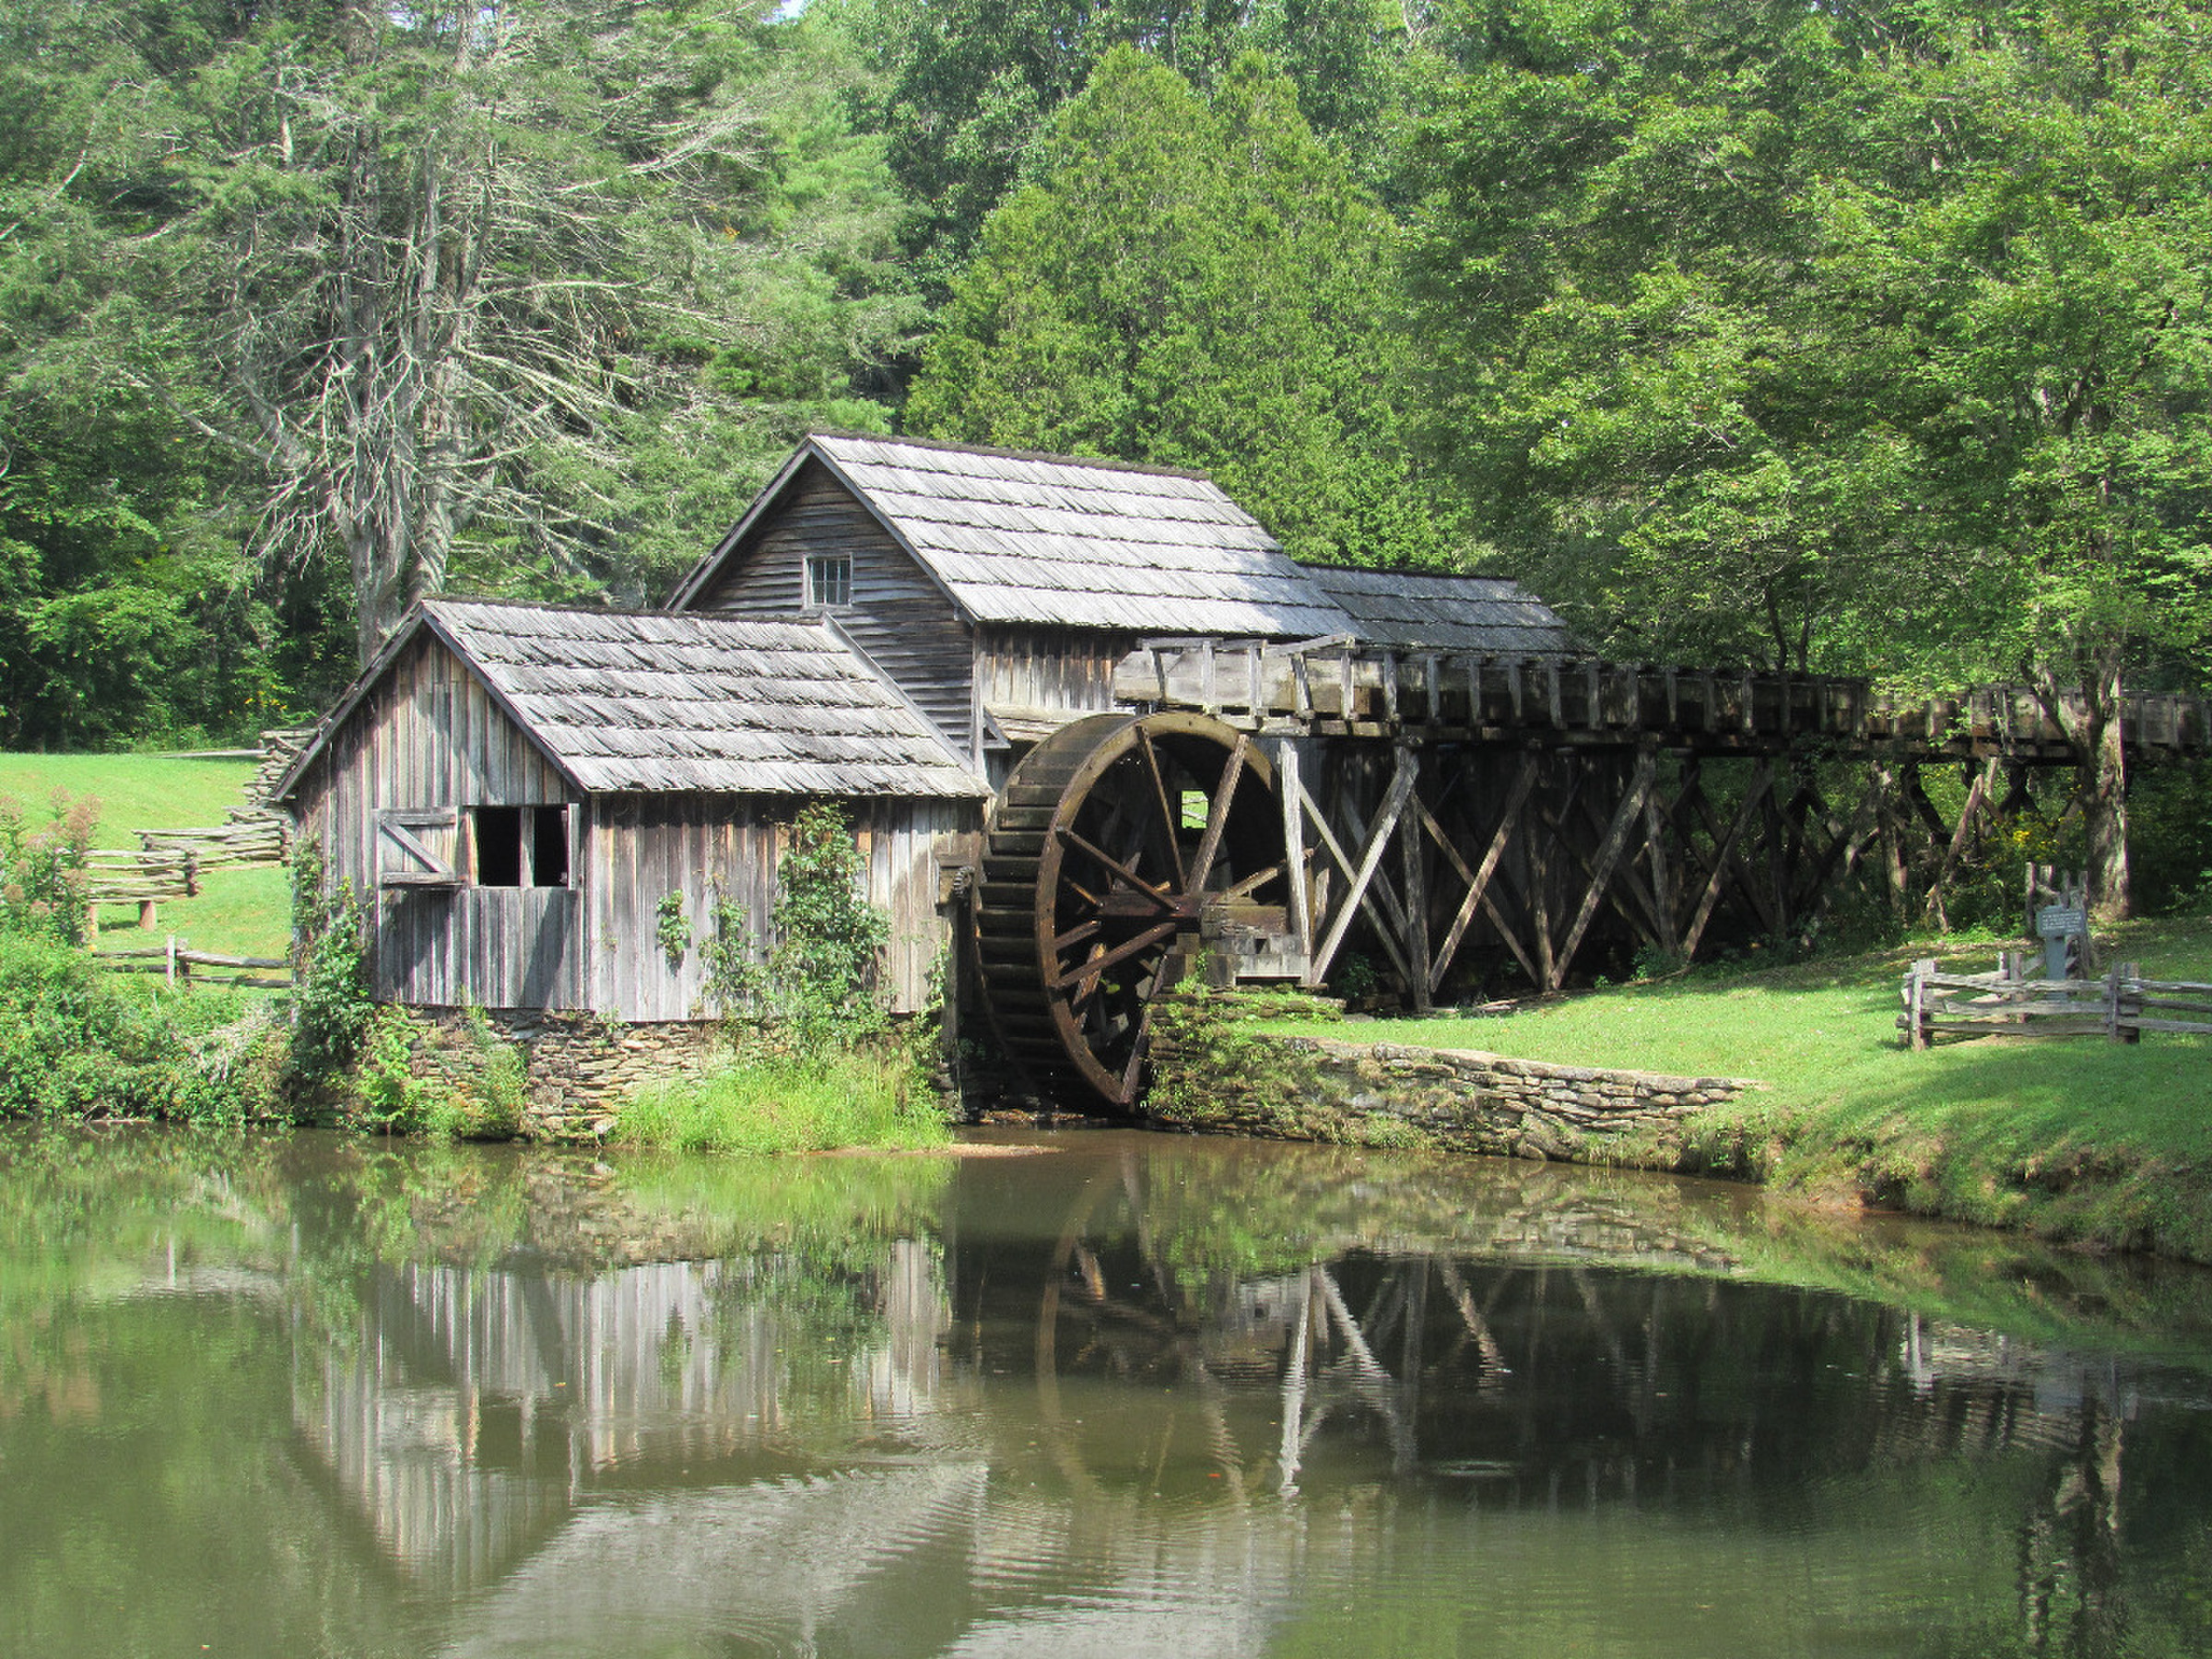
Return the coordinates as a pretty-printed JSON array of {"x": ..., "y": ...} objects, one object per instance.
[{"x": 949, "y": 446}]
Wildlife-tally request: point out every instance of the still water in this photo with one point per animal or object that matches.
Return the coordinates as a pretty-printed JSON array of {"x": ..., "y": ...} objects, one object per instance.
[{"x": 1105, "y": 1393}]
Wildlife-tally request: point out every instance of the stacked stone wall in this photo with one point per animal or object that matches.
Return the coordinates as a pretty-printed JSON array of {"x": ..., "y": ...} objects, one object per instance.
[
  {"x": 578, "y": 1069},
  {"x": 1213, "y": 1073}
]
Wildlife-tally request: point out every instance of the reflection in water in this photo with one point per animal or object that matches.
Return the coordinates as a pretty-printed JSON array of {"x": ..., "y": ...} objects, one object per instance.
[
  {"x": 1136, "y": 1395},
  {"x": 467, "y": 1414}
]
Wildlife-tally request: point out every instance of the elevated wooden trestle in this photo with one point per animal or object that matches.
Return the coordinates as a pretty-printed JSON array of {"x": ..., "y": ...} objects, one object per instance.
[{"x": 1469, "y": 820}]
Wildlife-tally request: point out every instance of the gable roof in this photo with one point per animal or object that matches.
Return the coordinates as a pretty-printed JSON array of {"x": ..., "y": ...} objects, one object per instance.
[
  {"x": 1408, "y": 611},
  {"x": 1063, "y": 542},
  {"x": 653, "y": 701}
]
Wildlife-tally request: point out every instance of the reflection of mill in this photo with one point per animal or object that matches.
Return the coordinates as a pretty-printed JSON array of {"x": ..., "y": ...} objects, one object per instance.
[
  {"x": 467, "y": 1413},
  {"x": 1562, "y": 1385},
  {"x": 1152, "y": 1416}
]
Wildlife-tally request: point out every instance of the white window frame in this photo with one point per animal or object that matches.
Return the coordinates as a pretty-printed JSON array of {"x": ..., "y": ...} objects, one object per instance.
[{"x": 828, "y": 578}]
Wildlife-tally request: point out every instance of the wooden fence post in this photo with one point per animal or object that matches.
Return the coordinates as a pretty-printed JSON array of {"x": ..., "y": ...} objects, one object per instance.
[{"x": 1916, "y": 1003}]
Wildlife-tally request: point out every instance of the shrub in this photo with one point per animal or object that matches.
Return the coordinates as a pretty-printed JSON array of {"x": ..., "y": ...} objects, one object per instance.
[
  {"x": 820, "y": 980},
  {"x": 476, "y": 1094},
  {"x": 78, "y": 1041},
  {"x": 333, "y": 995},
  {"x": 43, "y": 884}
]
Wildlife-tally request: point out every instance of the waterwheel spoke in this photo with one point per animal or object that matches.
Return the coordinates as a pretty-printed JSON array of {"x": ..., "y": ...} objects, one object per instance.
[
  {"x": 1166, "y": 813},
  {"x": 1159, "y": 895},
  {"x": 1114, "y": 958},
  {"x": 1135, "y": 1069},
  {"x": 1217, "y": 815}
]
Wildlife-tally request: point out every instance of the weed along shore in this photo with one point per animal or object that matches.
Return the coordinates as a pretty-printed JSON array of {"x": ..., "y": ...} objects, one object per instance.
[{"x": 1793, "y": 1077}]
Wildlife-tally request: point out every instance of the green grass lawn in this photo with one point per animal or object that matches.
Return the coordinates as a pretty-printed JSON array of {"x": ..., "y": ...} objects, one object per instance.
[
  {"x": 2076, "y": 1138},
  {"x": 239, "y": 913}
]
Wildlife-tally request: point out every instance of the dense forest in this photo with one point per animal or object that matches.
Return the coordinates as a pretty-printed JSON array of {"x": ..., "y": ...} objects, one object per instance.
[{"x": 1869, "y": 338}]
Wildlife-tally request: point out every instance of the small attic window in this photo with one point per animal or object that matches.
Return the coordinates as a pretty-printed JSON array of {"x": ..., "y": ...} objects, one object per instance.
[{"x": 829, "y": 580}]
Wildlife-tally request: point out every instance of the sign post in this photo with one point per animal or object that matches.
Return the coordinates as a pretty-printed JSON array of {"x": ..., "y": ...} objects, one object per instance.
[{"x": 2065, "y": 931}]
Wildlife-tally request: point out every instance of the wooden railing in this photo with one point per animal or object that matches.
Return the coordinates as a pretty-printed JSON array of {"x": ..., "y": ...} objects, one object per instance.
[
  {"x": 1334, "y": 684},
  {"x": 2122, "y": 1005},
  {"x": 179, "y": 965}
]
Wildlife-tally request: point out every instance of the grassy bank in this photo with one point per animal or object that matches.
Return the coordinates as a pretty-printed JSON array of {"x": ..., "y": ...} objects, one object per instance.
[
  {"x": 2070, "y": 1138},
  {"x": 782, "y": 1104},
  {"x": 238, "y": 912}
]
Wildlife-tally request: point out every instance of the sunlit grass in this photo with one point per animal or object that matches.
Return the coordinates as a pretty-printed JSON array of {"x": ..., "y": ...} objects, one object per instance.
[
  {"x": 779, "y": 1105},
  {"x": 2074, "y": 1138},
  {"x": 238, "y": 912},
  {"x": 135, "y": 792}
]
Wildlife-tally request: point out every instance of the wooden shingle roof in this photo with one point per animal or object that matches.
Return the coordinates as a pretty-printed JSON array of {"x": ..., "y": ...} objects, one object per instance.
[
  {"x": 1062, "y": 542},
  {"x": 657, "y": 702},
  {"x": 1404, "y": 610}
]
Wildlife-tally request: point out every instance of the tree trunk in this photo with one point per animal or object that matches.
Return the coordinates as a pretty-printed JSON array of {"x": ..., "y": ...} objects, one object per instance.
[{"x": 2094, "y": 724}]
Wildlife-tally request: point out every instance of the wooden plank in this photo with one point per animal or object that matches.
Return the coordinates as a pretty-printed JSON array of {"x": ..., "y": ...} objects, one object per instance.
[
  {"x": 1609, "y": 855},
  {"x": 1478, "y": 878},
  {"x": 1694, "y": 935},
  {"x": 1292, "y": 793},
  {"x": 1415, "y": 877},
  {"x": 1370, "y": 856}
]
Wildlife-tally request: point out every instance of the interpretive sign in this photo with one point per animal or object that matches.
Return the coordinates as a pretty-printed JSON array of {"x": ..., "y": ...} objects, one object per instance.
[
  {"x": 2065, "y": 931},
  {"x": 2061, "y": 922}
]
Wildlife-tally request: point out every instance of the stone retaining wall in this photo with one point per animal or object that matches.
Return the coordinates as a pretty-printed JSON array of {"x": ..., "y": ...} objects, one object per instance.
[
  {"x": 578, "y": 1069},
  {"x": 1210, "y": 1075}
]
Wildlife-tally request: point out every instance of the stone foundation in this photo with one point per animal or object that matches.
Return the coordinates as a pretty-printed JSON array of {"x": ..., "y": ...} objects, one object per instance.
[
  {"x": 578, "y": 1069},
  {"x": 1211, "y": 1075}
]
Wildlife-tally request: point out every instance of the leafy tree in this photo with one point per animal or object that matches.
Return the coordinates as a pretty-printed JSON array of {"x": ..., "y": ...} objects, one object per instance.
[
  {"x": 1863, "y": 339},
  {"x": 972, "y": 86},
  {"x": 1191, "y": 284},
  {"x": 127, "y": 607},
  {"x": 457, "y": 284}
]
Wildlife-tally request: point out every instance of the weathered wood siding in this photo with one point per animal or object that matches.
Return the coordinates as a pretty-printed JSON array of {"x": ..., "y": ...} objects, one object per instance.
[
  {"x": 1049, "y": 669},
  {"x": 899, "y": 615},
  {"x": 431, "y": 736},
  {"x": 645, "y": 846}
]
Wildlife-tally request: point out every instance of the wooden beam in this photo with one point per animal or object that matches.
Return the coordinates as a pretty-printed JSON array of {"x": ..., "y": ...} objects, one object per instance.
[
  {"x": 1217, "y": 815},
  {"x": 1413, "y": 874},
  {"x": 1370, "y": 855},
  {"x": 1168, "y": 817},
  {"x": 1294, "y": 844},
  {"x": 1609, "y": 855},
  {"x": 1388, "y": 922},
  {"x": 1694, "y": 935},
  {"x": 1655, "y": 824},
  {"x": 1478, "y": 878},
  {"x": 1731, "y": 863}
]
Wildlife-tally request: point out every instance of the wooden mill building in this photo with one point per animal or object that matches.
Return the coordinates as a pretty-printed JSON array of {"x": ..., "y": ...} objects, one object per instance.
[
  {"x": 892, "y": 624},
  {"x": 520, "y": 786},
  {"x": 1001, "y": 591}
]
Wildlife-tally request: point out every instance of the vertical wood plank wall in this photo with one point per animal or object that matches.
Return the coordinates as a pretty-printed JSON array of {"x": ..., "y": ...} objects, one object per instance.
[
  {"x": 1048, "y": 667},
  {"x": 646, "y": 846},
  {"x": 899, "y": 615},
  {"x": 427, "y": 736}
]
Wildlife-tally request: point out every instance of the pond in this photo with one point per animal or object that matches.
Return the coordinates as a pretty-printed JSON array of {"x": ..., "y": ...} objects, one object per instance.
[{"x": 1103, "y": 1393}]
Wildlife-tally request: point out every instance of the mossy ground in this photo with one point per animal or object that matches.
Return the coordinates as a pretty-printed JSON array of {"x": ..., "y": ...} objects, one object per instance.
[{"x": 2073, "y": 1138}]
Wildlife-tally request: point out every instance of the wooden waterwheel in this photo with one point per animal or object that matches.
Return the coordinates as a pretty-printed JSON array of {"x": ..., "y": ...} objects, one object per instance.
[{"x": 1111, "y": 839}]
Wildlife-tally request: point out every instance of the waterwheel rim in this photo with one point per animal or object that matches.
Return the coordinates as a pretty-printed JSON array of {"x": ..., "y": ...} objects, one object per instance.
[{"x": 1124, "y": 828}]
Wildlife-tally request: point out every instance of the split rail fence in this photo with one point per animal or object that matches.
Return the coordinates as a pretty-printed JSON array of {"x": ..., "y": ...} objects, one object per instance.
[
  {"x": 179, "y": 965},
  {"x": 2121, "y": 1006}
]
